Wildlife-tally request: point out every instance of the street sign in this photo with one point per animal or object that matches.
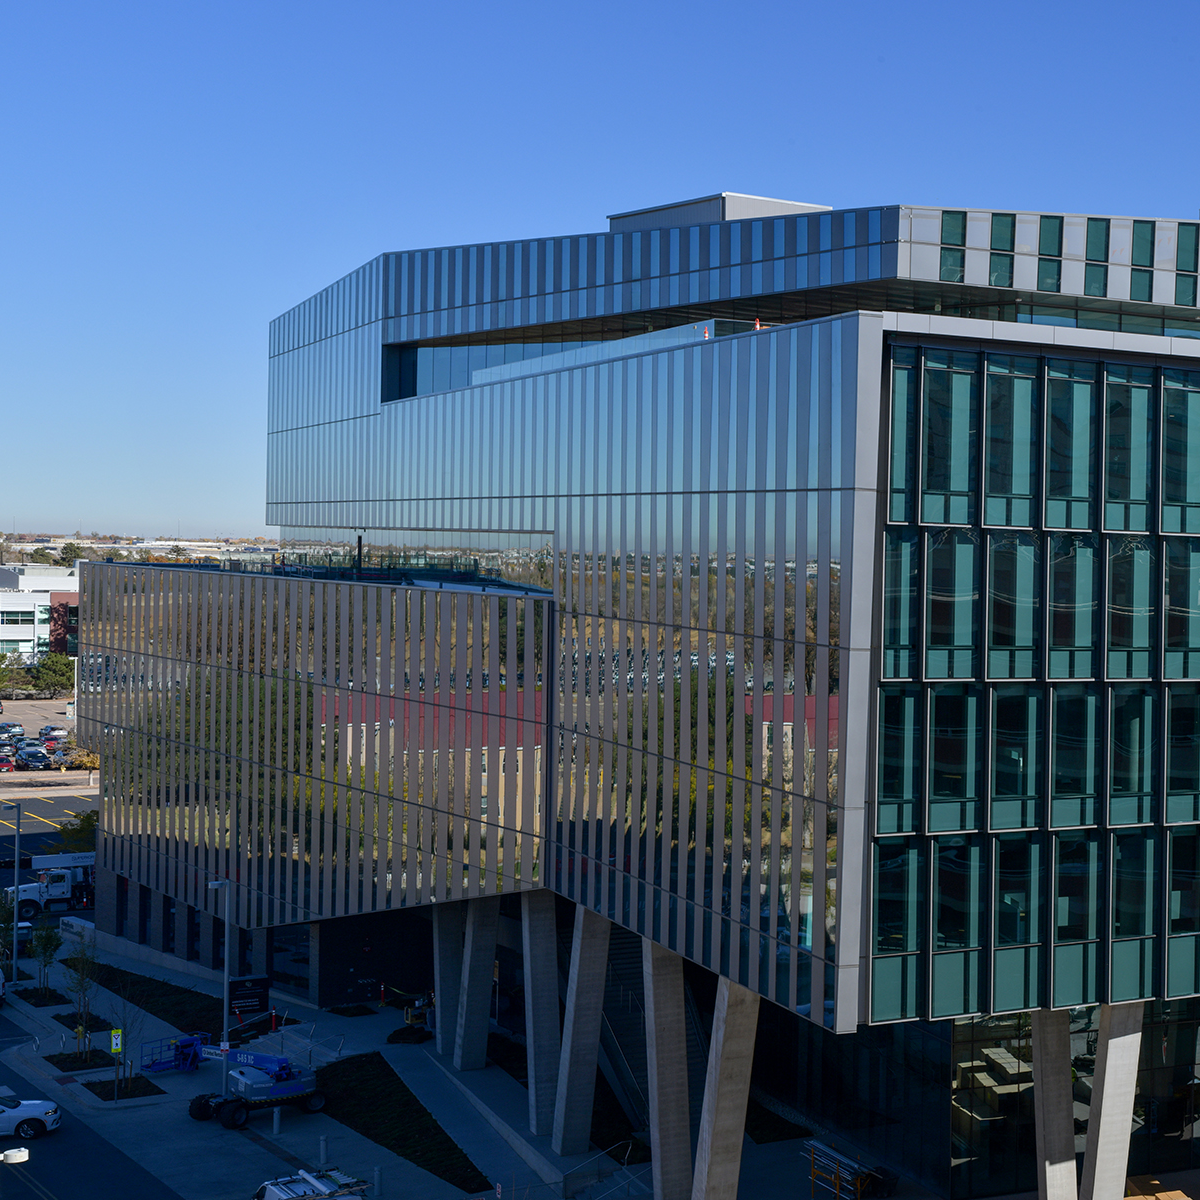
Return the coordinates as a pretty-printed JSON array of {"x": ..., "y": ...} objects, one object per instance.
[
  {"x": 115, "y": 1035},
  {"x": 249, "y": 994}
]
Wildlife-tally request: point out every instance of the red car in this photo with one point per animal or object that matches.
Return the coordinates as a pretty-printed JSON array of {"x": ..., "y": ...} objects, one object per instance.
[{"x": 7, "y": 764}]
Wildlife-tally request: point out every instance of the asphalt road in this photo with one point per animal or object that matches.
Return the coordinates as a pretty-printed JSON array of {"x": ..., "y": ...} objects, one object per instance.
[
  {"x": 41, "y": 816},
  {"x": 73, "y": 1161}
]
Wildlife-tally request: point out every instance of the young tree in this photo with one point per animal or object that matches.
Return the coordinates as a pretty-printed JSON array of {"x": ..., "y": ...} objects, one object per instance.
[
  {"x": 42, "y": 555},
  {"x": 70, "y": 552},
  {"x": 81, "y": 980},
  {"x": 78, "y": 835},
  {"x": 6, "y": 937},
  {"x": 44, "y": 946}
]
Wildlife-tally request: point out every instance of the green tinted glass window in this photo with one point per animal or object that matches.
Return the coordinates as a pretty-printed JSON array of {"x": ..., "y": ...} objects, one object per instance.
[
  {"x": 1183, "y": 754},
  {"x": 1185, "y": 881},
  {"x": 1095, "y": 280},
  {"x": 1133, "y": 884},
  {"x": 1019, "y": 874},
  {"x": 1129, "y": 399},
  {"x": 1016, "y": 758},
  {"x": 901, "y": 608},
  {"x": 1181, "y": 452},
  {"x": 1131, "y": 615},
  {"x": 899, "y": 897},
  {"x": 1143, "y": 244},
  {"x": 904, "y": 433},
  {"x": 1141, "y": 285},
  {"x": 953, "y": 265},
  {"x": 1000, "y": 270},
  {"x": 1185, "y": 253},
  {"x": 949, "y": 441},
  {"x": 901, "y": 737},
  {"x": 957, "y": 885},
  {"x": 1181, "y": 658},
  {"x": 1185, "y": 290},
  {"x": 1076, "y": 750},
  {"x": 1004, "y": 231},
  {"x": 1077, "y": 887},
  {"x": 1011, "y": 417},
  {"x": 1074, "y": 580},
  {"x": 1050, "y": 236},
  {"x": 954, "y": 229},
  {"x": 1133, "y": 753},
  {"x": 1049, "y": 275},
  {"x": 1014, "y": 608},
  {"x": 951, "y": 604},
  {"x": 1071, "y": 443},
  {"x": 955, "y": 759},
  {"x": 1097, "y": 239}
]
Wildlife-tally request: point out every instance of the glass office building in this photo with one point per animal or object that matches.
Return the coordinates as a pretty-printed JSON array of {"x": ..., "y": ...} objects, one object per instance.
[{"x": 812, "y": 593}]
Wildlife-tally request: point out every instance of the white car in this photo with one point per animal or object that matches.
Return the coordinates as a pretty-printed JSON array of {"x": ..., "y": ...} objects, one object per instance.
[
  {"x": 26, "y": 1119},
  {"x": 52, "y": 731}
]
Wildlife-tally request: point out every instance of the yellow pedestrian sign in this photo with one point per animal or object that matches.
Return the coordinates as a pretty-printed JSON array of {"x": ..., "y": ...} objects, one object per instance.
[{"x": 116, "y": 1040}]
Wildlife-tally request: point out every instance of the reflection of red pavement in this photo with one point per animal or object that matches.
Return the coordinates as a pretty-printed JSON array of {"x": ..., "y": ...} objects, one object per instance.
[
  {"x": 449, "y": 707},
  {"x": 789, "y": 714}
]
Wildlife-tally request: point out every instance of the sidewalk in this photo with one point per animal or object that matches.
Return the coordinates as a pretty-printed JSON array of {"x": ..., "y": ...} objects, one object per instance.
[{"x": 200, "y": 1160}]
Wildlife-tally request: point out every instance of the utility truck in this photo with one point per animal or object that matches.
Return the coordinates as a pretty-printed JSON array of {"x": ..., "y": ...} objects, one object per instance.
[
  {"x": 256, "y": 1081},
  {"x": 328, "y": 1182},
  {"x": 65, "y": 883}
]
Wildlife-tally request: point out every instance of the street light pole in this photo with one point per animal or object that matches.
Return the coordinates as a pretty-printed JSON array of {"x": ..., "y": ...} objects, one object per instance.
[
  {"x": 16, "y": 904},
  {"x": 213, "y": 886}
]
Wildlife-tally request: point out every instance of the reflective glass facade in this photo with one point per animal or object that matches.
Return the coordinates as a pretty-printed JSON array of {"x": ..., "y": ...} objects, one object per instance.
[{"x": 838, "y": 579}]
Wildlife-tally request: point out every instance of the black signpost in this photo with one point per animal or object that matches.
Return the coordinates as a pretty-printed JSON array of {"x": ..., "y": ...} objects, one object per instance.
[{"x": 248, "y": 995}]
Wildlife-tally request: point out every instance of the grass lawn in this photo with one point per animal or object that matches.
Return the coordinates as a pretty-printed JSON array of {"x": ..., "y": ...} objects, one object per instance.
[
  {"x": 80, "y": 1062},
  {"x": 41, "y": 997},
  {"x": 366, "y": 1094},
  {"x": 188, "y": 1011},
  {"x": 131, "y": 1089}
]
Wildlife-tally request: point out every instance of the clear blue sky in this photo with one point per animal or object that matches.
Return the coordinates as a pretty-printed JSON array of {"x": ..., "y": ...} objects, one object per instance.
[{"x": 177, "y": 175}]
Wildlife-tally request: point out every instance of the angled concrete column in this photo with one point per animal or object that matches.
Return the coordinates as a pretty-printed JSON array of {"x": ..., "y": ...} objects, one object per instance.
[
  {"x": 539, "y": 942},
  {"x": 726, "y": 1090},
  {"x": 475, "y": 993},
  {"x": 449, "y": 921},
  {"x": 1106, "y": 1158},
  {"x": 1053, "y": 1104},
  {"x": 666, "y": 1063},
  {"x": 581, "y": 1034}
]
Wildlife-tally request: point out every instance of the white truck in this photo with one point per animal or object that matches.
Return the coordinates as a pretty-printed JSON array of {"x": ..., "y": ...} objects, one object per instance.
[
  {"x": 65, "y": 883},
  {"x": 328, "y": 1182}
]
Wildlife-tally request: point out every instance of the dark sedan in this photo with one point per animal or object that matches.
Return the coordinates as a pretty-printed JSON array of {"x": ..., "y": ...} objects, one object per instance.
[{"x": 33, "y": 760}]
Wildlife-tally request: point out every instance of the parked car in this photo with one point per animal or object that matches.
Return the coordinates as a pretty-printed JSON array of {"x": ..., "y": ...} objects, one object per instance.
[
  {"x": 33, "y": 760},
  {"x": 50, "y": 744},
  {"x": 29, "y": 744},
  {"x": 27, "y": 1119},
  {"x": 53, "y": 731},
  {"x": 14, "y": 729},
  {"x": 6, "y": 763}
]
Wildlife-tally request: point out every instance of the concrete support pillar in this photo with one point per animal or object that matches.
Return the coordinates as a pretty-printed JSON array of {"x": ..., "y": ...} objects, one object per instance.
[
  {"x": 1053, "y": 1104},
  {"x": 449, "y": 921},
  {"x": 158, "y": 903},
  {"x": 208, "y": 941},
  {"x": 1106, "y": 1158},
  {"x": 726, "y": 1090},
  {"x": 105, "y": 913},
  {"x": 581, "y": 1034},
  {"x": 543, "y": 1045},
  {"x": 260, "y": 951},
  {"x": 475, "y": 991},
  {"x": 666, "y": 1065},
  {"x": 135, "y": 917},
  {"x": 182, "y": 930}
]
